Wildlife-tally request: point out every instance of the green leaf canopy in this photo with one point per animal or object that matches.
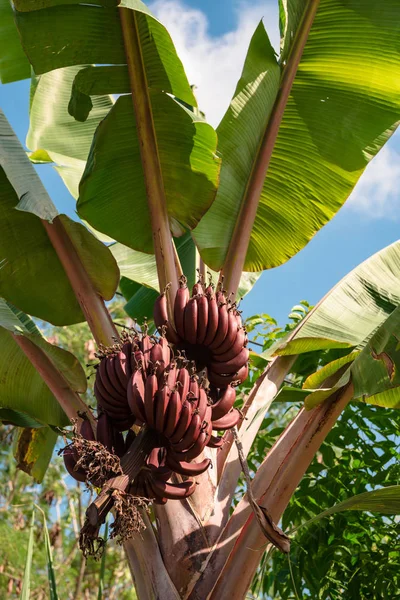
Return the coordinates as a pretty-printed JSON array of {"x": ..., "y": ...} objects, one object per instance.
[
  {"x": 13, "y": 63},
  {"x": 343, "y": 106},
  {"x": 114, "y": 170},
  {"x": 32, "y": 276},
  {"x": 76, "y": 34},
  {"x": 362, "y": 311}
]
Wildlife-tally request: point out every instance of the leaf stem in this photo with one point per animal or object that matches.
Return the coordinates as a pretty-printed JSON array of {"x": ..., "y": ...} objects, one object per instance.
[
  {"x": 241, "y": 544},
  {"x": 91, "y": 303},
  {"x": 237, "y": 250},
  {"x": 156, "y": 198},
  {"x": 70, "y": 401}
]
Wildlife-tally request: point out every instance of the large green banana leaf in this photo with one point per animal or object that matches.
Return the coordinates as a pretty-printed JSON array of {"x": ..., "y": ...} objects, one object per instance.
[
  {"x": 357, "y": 306},
  {"x": 21, "y": 387},
  {"x": 13, "y": 63},
  {"x": 54, "y": 130},
  {"x": 343, "y": 106},
  {"x": 186, "y": 150},
  {"x": 31, "y": 275},
  {"x": 76, "y": 34},
  {"x": 361, "y": 311}
]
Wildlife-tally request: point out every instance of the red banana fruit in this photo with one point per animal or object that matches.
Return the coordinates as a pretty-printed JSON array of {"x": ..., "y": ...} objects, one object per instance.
[
  {"x": 224, "y": 403},
  {"x": 166, "y": 351},
  {"x": 195, "y": 450},
  {"x": 220, "y": 381},
  {"x": 242, "y": 374},
  {"x": 198, "y": 289},
  {"x": 150, "y": 389},
  {"x": 185, "y": 468},
  {"x": 181, "y": 299},
  {"x": 172, "y": 374},
  {"x": 173, "y": 413},
  {"x": 230, "y": 336},
  {"x": 157, "y": 359},
  {"x": 194, "y": 391},
  {"x": 160, "y": 311},
  {"x": 135, "y": 395},
  {"x": 153, "y": 458},
  {"x": 161, "y": 402},
  {"x": 161, "y": 473},
  {"x": 122, "y": 369},
  {"x": 183, "y": 423},
  {"x": 212, "y": 325},
  {"x": 228, "y": 421},
  {"x": 113, "y": 378},
  {"x": 127, "y": 350},
  {"x": 86, "y": 431},
  {"x": 203, "y": 404},
  {"x": 137, "y": 359},
  {"x": 202, "y": 319},
  {"x": 161, "y": 319},
  {"x": 231, "y": 366},
  {"x": 123, "y": 424},
  {"x": 184, "y": 383},
  {"x": 147, "y": 345},
  {"x": 115, "y": 412},
  {"x": 172, "y": 491},
  {"x": 104, "y": 432},
  {"x": 190, "y": 318},
  {"x": 215, "y": 441},
  {"x": 235, "y": 348},
  {"x": 223, "y": 322},
  {"x": 107, "y": 384},
  {"x": 70, "y": 459},
  {"x": 103, "y": 397},
  {"x": 191, "y": 435}
]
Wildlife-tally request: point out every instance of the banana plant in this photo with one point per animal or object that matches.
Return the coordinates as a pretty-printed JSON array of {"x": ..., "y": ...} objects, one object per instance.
[{"x": 162, "y": 196}]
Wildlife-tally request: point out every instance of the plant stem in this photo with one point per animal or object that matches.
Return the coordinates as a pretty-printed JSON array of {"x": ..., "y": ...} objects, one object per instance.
[
  {"x": 236, "y": 255},
  {"x": 241, "y": 544},
  {"x": 91, "y": 303},
  {"x": 151, "y": 578},
  {"x": 70, "y": 401},
  {"x": 156, "y": 198}
]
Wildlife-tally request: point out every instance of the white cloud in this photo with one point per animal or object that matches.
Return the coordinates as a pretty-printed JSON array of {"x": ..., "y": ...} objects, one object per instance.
[
  {"x": 377, "y": 194},
  {"x": 214, "y": 64}
]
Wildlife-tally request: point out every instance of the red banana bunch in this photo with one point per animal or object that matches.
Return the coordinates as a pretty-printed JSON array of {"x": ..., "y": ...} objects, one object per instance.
[
  {"x": 208, "y": 328},
  {"x": 117, "y": 364},
  {"x": 152, "y": 482}
]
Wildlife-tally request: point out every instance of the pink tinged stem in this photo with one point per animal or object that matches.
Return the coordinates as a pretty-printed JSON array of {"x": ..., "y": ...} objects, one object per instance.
[
  {"x": 236, "y": 255},
  {"x": 70, "y": 401},
  {"x": 90, "y": 301},
  {"x": 241, "y": 544}
]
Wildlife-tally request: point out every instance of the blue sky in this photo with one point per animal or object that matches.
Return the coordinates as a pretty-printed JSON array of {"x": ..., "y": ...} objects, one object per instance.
[{"x": 211, "y": 38}]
